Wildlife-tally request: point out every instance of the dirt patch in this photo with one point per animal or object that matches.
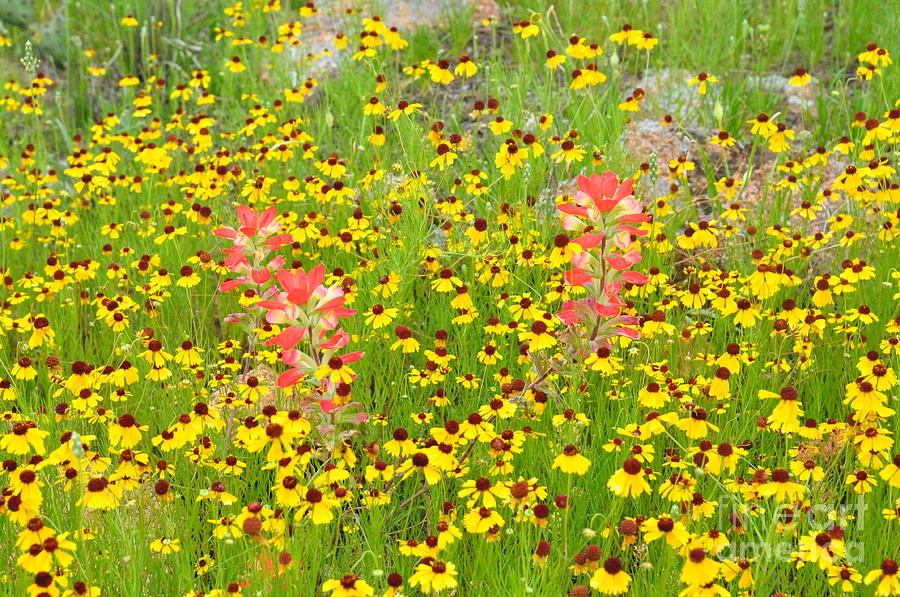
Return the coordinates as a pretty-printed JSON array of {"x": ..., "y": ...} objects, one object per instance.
[
  {"x": 642, "y": 138},
  {"x": 645, "y": 137}
]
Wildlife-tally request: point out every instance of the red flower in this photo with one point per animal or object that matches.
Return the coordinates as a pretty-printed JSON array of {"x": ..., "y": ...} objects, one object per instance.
[{"x": 256, "y": 229}]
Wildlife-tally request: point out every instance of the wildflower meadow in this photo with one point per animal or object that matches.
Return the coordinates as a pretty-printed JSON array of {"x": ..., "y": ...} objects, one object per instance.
[{"x": 449, "y": 297}]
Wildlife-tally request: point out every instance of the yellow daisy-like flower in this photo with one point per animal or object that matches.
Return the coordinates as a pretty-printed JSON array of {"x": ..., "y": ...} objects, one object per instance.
[
  {"x": 610, "y": 579},
  {"x": 379, "y": 316},
  {"x": 571, "y": 462},
  {"x": 629, "y": 481},
  {"x": 434, "y": 576},
  {"x": 701, "y": 80},
  {"x": 166, "y": 546},
  {"x": 348, "y": 585}
]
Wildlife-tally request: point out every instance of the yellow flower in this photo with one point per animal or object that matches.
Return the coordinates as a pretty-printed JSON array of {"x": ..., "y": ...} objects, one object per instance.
[
  {"x": 23, "y": 369},
  {"x": 317, "y": 507},
  {"x": 877, "y": 56},
  {"x": 646, "y": 42},
  {"x": 846, "y": 575},
  {"x": 99, "y": 494},
  {"x": 674, "y": 531},
  {"x": 336, "y": 369},
  {"x": 554, "y": 60},
  {"x": 23, "y": 438},
  {"x": 500, "y": 125},
  {"x": 482, "y": 520},
  {"x": 627, "y": 35},
  {"x": 466, "y": 68},
  {"x": 440, "y": 72},
  {"x": 235, "y": 65},
  {"x": 568, "y": 152},
  {"x": 781, "y": 487},
  {"x": 610, "y": 579},
  {"x": 762, "y": 126},
  {"x": 166, "y": 546},
  {"x": 348, "y": 585},
  {"x": 482, "y": 489},
  {"x": 444, "y": 158},
  {"x": 526, "y": 28},
  {"x": 891, "y": 473},
  {"x": 433, "y": 575},
  {"x": 48, "y": 554},
  {"x": 886, "y": 575},
  {"x": 629, "y": 481},
  {"x": 379, "y": 316},
  {"x": 698, "y": 569},
  {"x": 800, "y": 78},
  {"x": 404, "y": 108},
  {"x": 509, "y": 157},
  {"x": 724, "y": 139},
  {"x": 861, "y": 481},
  {"x": 820, "y": 548},
  {"x": 423, "y": 463},
  {"x": 468, "y": 381},
  {"x": 778, "y": 139},
  {"x": 701, "y": 81}
]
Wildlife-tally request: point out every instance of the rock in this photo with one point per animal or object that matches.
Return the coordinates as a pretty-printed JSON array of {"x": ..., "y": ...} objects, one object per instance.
[
  {"x": 406, "y": 15},
  {"x": 644, "y": 137},
  {"x": 410, "y": 14},
  {"x": 797, "y": 99},
  {"x": 668, "y": 91}
]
